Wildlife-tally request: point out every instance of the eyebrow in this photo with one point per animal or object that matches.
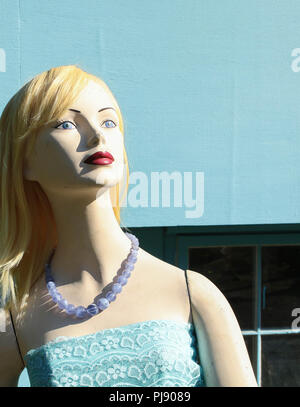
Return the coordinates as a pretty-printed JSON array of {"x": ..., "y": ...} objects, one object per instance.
[{"x": 78, "y": 111}]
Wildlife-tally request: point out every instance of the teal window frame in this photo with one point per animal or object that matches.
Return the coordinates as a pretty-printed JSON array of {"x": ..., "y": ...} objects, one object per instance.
[{"x": 183, "y": 241}]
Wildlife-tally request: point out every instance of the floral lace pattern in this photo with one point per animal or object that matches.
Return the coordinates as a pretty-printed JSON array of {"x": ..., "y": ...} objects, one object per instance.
[{"x": 151, "y": 353}]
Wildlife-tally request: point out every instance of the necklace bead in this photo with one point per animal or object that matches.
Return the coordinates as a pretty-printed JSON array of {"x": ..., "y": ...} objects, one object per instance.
[
  {"x": 80, "y": 312},
  {"x": 70, "y": 309},
  {"x": 103, "y": 302},
  {"x": 110, "y": 296},
  {"x": 122, "y": 279},
  {"x": 116, "y": 288},
  {"x": 92, "y": 309},
  {"x": 127, "y": 273}
]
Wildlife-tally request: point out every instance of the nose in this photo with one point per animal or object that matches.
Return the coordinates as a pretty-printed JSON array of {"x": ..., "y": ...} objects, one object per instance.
[{"x": 95, "y": 137}]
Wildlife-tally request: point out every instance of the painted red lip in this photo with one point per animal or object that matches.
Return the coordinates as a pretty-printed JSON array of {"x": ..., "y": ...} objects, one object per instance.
[{"x": 100, "y": 158}]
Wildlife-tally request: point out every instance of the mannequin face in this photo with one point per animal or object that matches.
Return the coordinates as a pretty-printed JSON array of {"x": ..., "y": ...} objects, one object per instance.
[{"x": 57, "y": 160}]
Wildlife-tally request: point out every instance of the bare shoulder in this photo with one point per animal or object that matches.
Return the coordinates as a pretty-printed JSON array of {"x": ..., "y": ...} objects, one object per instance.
[
  {"x": 206, "y": 292},
  {"x": 205, "y": 295},
  {"x": 159, "y": 265},
  {"x": 160, "y": 278},
  {"x": 166, "y": 274},
  {"x": 221, "y": 345},
  {"x": 209, "y": 303}
]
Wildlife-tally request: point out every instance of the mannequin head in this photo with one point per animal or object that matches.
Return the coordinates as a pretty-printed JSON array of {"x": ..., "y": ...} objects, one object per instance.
[
  {"x": 57, "y": 161},
  {"x": 39, "y": 154}
]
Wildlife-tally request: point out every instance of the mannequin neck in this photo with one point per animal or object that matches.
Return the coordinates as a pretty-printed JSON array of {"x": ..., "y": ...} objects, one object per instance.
[{"x": 91, "y": 244}]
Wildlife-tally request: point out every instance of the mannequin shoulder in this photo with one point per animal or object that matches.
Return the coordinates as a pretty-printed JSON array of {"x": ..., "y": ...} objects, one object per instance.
[
  {"x": 222, "y": 348},
  {"x": 207, "y": 299},
  {"x": 202, "y": 286},
  {"x": 204, "y": 293}
]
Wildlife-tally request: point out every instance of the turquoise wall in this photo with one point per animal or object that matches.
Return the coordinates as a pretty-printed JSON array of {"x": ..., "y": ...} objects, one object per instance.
[{"x": 204, "y": 86}]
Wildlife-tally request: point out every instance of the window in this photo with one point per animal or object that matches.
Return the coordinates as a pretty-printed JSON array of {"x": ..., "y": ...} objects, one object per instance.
[{"x": 259, "y": 275}]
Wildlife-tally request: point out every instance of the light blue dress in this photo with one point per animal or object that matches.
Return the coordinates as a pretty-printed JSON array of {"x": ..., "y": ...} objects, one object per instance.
[{"x": 152, "y": 353}]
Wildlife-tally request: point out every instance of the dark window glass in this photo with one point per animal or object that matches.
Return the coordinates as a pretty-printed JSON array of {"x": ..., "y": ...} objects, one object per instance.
[
  {"x": 280, "y": 285},
  {"x": 232, "y": 270},
  {"x": 280, "y": 360}
]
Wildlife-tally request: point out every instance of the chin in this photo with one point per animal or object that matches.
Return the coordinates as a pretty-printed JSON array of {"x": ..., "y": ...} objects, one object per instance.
[
  {"x": 107, "y": 180},
  {"x": 110, "y": 178}
]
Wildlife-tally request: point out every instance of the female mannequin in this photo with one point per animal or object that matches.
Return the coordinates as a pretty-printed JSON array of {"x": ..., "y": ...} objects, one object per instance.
[{"x": 79, "y": 220}]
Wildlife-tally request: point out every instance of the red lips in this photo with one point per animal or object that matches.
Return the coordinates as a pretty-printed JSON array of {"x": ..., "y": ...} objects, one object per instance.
[{"x": 100, "y": 158}]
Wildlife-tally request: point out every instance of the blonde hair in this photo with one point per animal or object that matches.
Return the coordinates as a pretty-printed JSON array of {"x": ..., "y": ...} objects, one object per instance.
[{"x": 27, "y": 227}]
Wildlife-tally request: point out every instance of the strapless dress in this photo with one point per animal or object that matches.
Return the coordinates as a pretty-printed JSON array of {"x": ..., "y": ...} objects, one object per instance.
[{"x": 159, "y": 353}]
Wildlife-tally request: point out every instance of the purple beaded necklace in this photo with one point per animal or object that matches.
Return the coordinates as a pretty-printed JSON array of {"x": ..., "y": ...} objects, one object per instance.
[{"x": 103, "y": 302}]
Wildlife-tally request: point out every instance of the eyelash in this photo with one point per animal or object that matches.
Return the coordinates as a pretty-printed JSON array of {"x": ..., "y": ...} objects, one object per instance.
[{"x": 59, "y": 122}]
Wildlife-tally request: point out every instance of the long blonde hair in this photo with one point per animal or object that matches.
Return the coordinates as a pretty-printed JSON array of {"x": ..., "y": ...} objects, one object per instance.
[{"x": 27, "y": 227}]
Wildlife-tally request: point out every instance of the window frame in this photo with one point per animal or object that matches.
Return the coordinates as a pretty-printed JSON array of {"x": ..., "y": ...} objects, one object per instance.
[{"x": 179, "y": 257}]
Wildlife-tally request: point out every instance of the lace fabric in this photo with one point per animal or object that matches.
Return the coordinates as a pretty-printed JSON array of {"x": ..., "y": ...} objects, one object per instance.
[{"x": 160, "y": 353}]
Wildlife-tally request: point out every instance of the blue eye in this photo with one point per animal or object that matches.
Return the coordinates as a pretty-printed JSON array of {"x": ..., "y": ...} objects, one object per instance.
[
  {"x": 65, "y": 123},
  {"x": 109, "y": 121}
]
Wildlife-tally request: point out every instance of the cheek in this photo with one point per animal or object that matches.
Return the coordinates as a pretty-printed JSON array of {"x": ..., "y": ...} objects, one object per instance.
[
  {"x": 119, "y": 155},
  {"x": 53, "y": 158},
  {"x": 121, "y": 149},
  {"x": 115, "y": 139}
]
